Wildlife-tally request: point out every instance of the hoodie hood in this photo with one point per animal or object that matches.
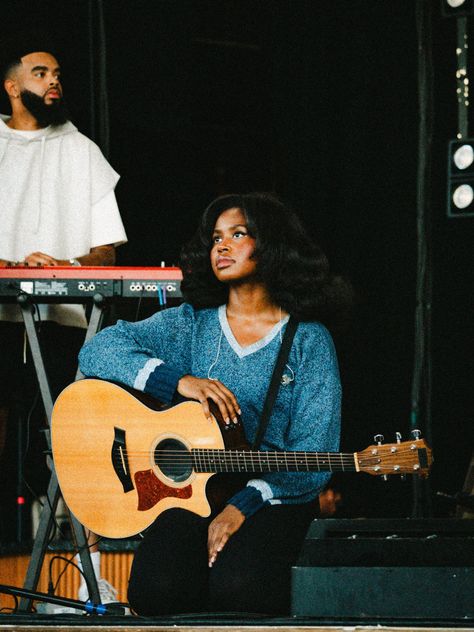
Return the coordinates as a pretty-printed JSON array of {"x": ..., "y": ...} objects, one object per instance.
[
  {"x": 48, "y": 132},
  {"x": 28, "y": 153}
]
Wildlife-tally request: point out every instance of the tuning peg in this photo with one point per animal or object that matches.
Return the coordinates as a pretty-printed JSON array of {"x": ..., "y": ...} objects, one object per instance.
[
  {"x": 416, "y": 434},
  {"x": 378, "y": 438},
  {"x": 398, "y": 437}
]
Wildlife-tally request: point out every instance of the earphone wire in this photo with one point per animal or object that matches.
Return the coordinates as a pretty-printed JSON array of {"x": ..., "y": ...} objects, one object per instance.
[
  {"x": 209, "y": 377},
  {"x": 289, "y": 378}
]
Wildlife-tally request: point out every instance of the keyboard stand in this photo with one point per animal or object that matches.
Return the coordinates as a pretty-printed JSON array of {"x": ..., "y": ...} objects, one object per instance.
[{"x": 47, "y": 518}]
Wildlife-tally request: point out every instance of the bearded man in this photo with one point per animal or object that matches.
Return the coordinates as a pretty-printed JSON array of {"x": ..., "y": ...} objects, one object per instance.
[
  {"x": 57, "y": 208},
  {"x": 57, "y": 198}
]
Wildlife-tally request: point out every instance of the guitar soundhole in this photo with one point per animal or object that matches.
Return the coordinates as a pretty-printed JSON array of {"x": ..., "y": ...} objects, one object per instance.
[{"x": 174, "y": 460}]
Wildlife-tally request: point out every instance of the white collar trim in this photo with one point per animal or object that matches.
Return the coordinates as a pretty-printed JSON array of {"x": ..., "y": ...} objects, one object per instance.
[{"x": 256, "y": 346}]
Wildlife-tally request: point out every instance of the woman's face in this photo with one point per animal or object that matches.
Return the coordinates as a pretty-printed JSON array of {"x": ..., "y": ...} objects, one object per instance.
[{"x": 233, "y": 247}]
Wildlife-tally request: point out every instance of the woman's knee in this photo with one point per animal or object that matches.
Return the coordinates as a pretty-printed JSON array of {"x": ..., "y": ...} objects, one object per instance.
[{"x": 169, "y": 571}]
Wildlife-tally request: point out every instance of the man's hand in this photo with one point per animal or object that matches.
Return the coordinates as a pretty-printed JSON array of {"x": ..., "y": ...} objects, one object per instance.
[
  {"x": 203, "y": 389},
  {"x": 97, "y": 256},
  {"x": 221, "y": 528},
  {"x": 40, "y": 259}
]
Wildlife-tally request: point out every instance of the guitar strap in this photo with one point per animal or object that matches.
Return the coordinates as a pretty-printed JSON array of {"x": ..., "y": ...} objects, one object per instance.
[{"x": 286, "y": 343}]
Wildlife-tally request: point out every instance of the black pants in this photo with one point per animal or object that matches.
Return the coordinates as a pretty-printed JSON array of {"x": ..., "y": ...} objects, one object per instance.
[{"x": 170, "y": 573}]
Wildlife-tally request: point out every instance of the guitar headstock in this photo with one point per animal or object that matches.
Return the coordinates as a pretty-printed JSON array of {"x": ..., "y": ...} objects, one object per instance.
[{"x": 403, "y": 457}]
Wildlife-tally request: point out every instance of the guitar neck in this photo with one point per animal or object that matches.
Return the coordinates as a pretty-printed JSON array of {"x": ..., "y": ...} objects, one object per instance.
[{"x": 205, "y": 460}]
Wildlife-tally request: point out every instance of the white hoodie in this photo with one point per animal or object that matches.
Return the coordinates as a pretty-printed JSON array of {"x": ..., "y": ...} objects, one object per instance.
[{"x": 56, "y": 196}]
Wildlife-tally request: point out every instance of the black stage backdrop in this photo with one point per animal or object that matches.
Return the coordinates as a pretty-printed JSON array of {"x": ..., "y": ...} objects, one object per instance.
[{"x": 317, "y": 101}]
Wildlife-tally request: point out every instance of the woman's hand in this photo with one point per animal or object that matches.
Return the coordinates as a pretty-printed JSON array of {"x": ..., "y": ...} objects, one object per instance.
[
  {"x": 221, "y": 528},
  {"x": 203, "y": 389}
]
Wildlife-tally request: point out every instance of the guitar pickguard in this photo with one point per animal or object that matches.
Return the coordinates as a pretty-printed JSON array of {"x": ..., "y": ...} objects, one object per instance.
[{"x": 151, "y": 490}]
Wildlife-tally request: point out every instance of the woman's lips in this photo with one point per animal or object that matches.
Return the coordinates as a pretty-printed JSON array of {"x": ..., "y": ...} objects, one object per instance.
[{"x": 223, "y": 262}]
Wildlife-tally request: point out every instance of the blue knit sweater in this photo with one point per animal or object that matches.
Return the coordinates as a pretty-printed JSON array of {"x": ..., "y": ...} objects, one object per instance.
[{"x": 153, "y": 354}]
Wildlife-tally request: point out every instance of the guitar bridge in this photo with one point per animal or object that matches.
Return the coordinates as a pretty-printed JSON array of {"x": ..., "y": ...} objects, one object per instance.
[{"x": 120, "y": 460}]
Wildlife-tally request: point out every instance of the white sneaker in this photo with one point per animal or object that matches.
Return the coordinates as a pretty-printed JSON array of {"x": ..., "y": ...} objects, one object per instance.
[
  {"x": 51, "y": 608},
  {"x": 108, "y": 594}
]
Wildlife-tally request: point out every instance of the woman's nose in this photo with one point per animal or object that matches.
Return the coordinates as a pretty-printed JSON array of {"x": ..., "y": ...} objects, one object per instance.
[{"x": 224, "y": 245}]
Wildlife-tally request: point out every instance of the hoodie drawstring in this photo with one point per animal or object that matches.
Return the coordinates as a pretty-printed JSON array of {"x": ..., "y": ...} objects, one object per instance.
[{"x": 40, "y": 197}]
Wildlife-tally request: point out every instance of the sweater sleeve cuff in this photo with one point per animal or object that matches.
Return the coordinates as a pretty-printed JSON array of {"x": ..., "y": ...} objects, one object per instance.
[
  {"x": 249, "y": 500},
  {"x": 162, "y": 383}
]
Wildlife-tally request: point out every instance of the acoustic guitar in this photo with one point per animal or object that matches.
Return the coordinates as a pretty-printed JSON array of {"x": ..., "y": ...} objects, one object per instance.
[{"x": 121, "y": 461}]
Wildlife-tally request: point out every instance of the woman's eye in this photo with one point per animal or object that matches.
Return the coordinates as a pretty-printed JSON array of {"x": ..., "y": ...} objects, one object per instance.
[
  {"x": 216, "y": 240},
  {"x": 239, "y": 234}
]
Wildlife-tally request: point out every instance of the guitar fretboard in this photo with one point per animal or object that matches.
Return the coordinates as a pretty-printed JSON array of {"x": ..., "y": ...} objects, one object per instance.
[{"x": 205, "y": 460}]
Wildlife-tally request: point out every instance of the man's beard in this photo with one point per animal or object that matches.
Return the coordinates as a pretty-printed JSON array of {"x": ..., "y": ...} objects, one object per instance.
[{"x": 54, "y": 114}]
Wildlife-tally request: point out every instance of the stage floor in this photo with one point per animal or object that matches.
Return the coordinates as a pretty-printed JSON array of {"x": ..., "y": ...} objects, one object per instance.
[
  {"x": 214, "y": 623},
  {"x": 115, "y": 566}
]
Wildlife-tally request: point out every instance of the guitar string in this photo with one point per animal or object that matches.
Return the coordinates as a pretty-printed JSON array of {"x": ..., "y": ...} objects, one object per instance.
[
  {"x": 263, "y": 454},
  {"x": 278, "y": 460},
  {"x": 266, "y": 453},
  {"x": 231, "y": 457},
  {"x": 335, "y": 467},
  {"x": 214, "y": 467},
  {"x": 241, "y": 453}
]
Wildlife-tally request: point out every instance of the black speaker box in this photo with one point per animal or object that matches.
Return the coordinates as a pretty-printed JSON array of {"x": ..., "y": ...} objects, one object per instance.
[{"x": 402, "y": 569}]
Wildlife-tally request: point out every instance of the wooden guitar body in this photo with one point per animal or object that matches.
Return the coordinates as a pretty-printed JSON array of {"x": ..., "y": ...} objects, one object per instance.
[{"x": 104, "y": 442}]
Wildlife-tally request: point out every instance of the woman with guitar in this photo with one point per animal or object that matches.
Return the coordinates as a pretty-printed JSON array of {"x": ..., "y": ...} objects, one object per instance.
[{"x": 248, "y": 268}]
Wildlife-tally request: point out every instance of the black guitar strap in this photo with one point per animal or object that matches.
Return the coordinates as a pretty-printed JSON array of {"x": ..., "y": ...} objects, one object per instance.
[{"x": 286, "y": 343}]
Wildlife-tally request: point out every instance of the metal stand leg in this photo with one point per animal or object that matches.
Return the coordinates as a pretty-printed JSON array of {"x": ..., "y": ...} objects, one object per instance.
[
  {"x": 41, "y": 543},
  {"x": 27, "y": 311},
  {"x": 20, "y": 504},
  {"x": 53, "y": 494}
]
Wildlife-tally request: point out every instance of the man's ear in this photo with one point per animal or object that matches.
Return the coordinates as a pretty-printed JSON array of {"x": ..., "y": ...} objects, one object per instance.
[{"x": 11, "y": 88}]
